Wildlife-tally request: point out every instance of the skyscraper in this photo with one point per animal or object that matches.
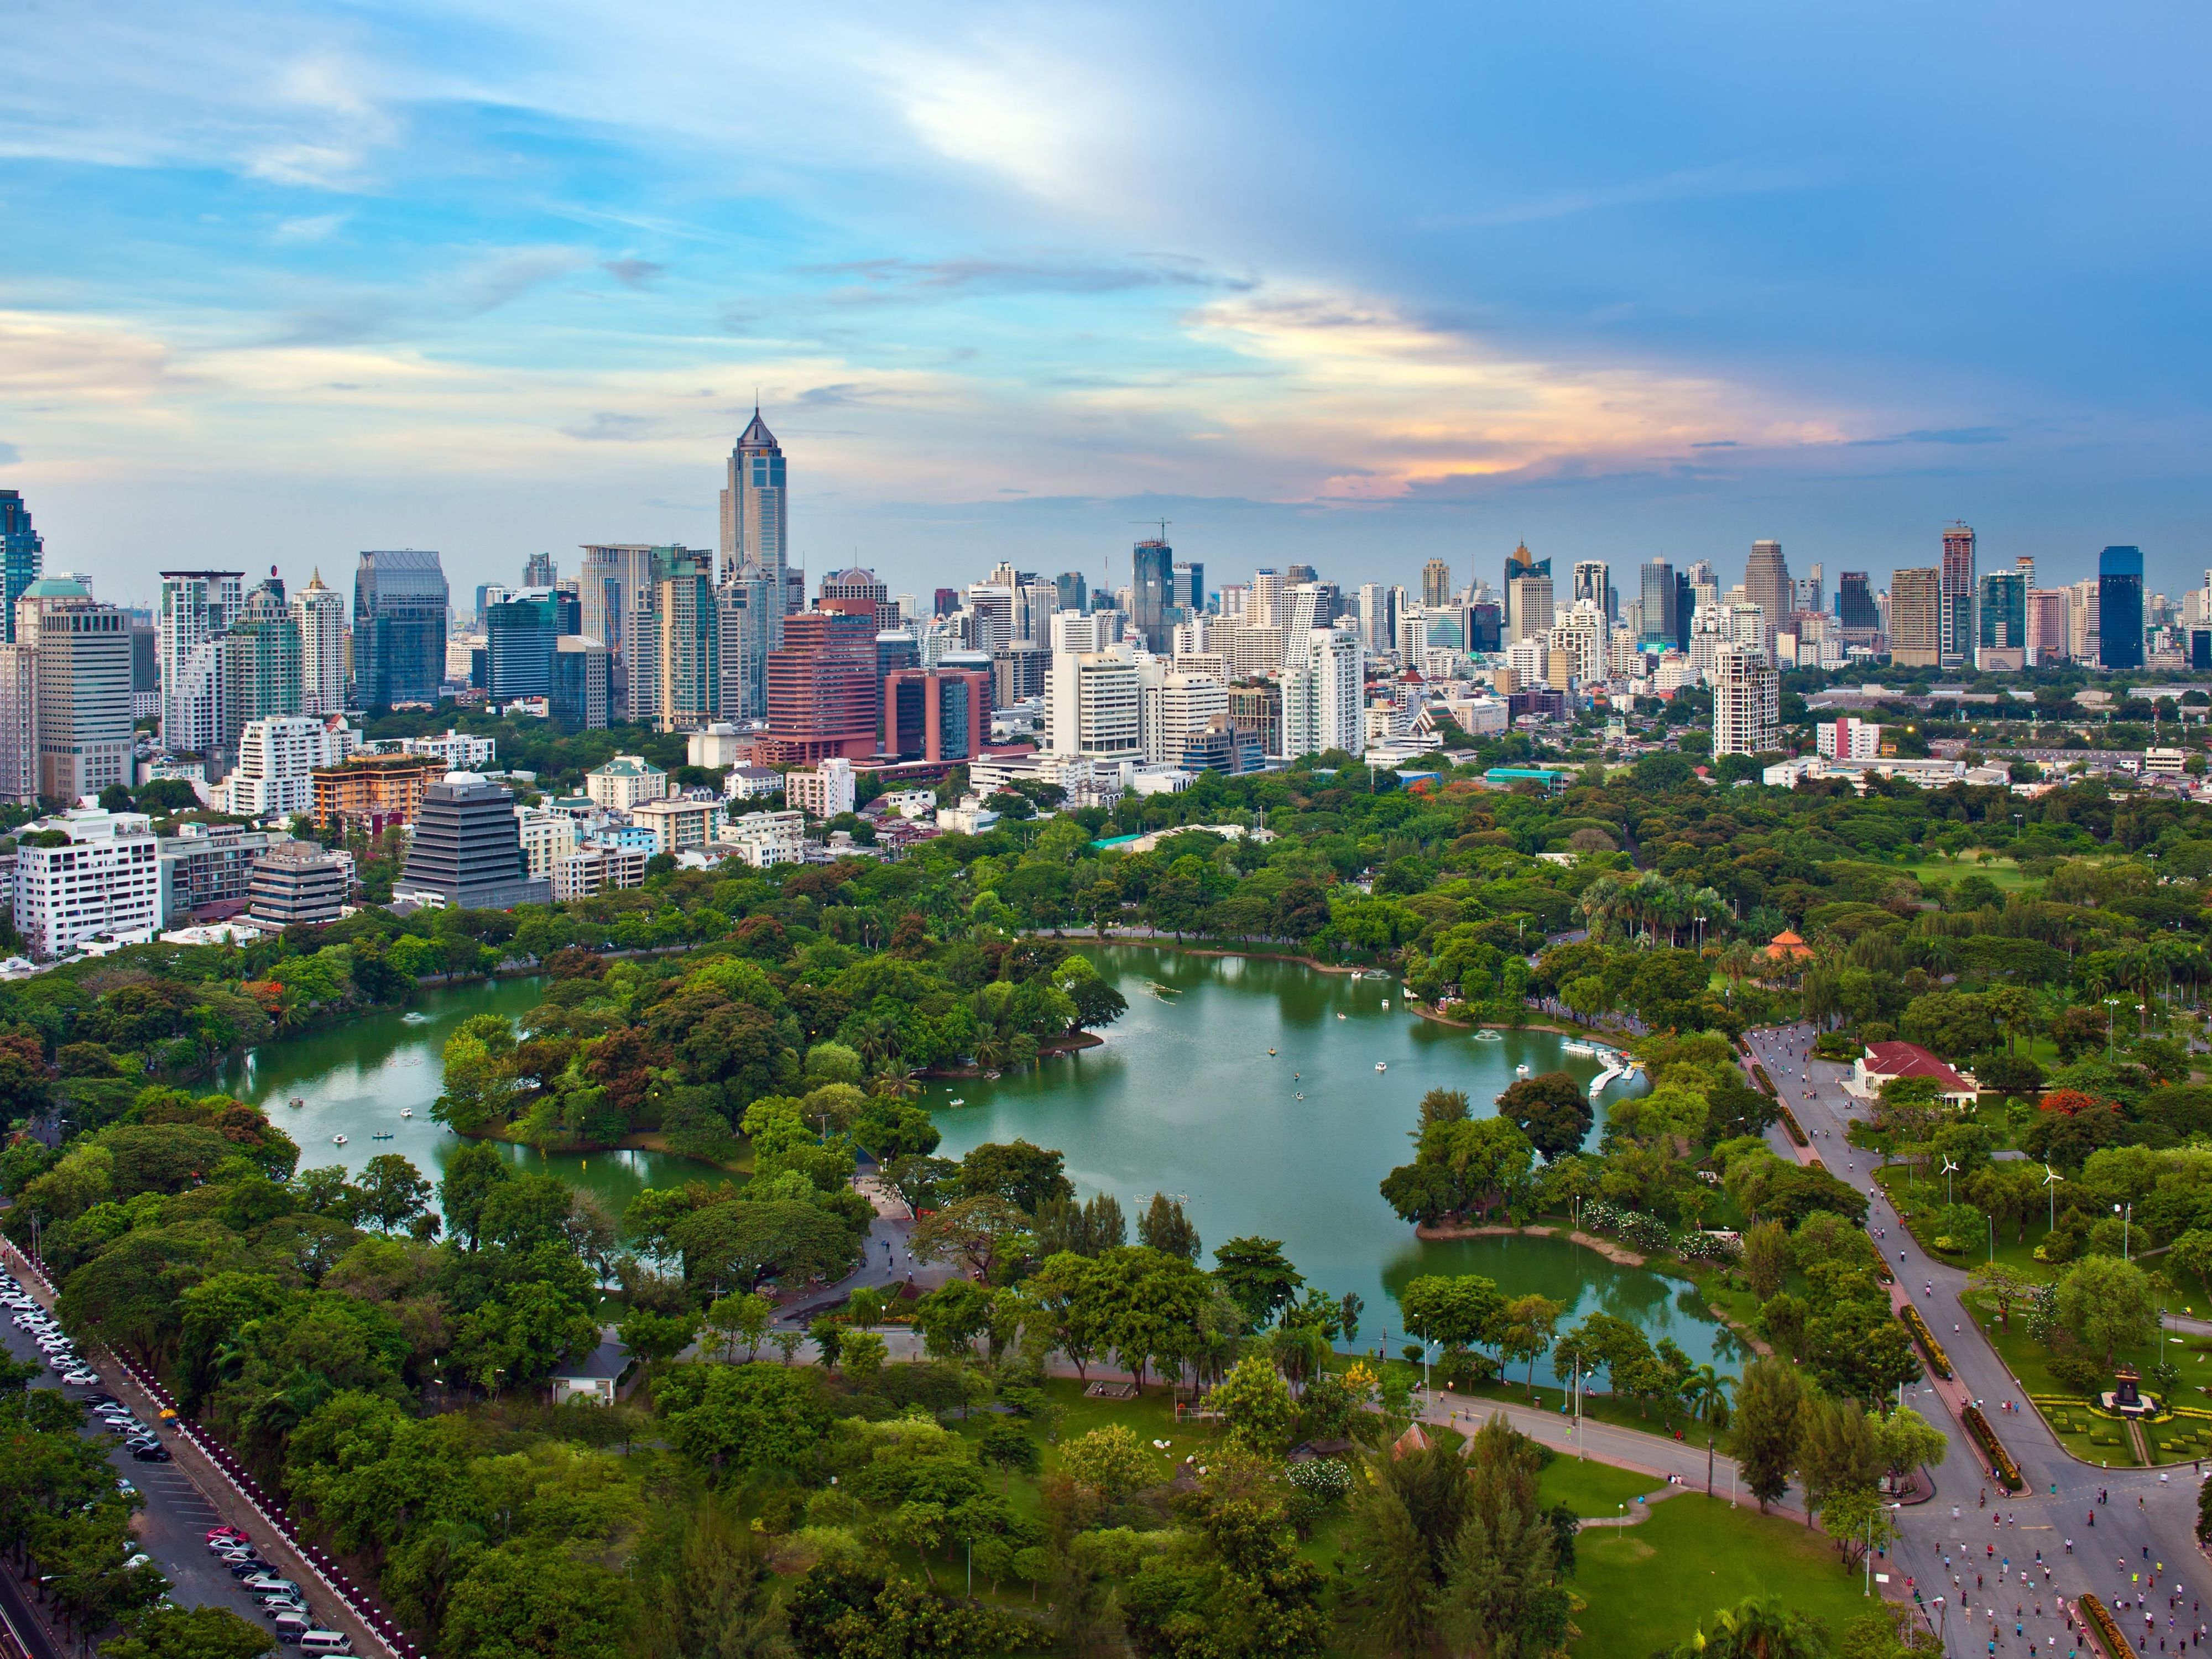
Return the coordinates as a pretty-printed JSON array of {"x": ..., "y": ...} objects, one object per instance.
[
  {"x": 1660, "y": 605},
  {"x": 1916, "y": 618},
  {"x": 399, "y": 600},
  {"x": 2120, "y": 607},
  {"x": 260, "y": 659},
  {"x": 196, "y": 610},
  {"x": 1075, "y": 591},
  {"x": 2003, "y": 642},
  {"x": 1593, "y": 583},
  {"x": 1855, "y": 601},
  {"x": 1323, "y": 691},
  {"x": 687, "y": 620},
  {"x": 1152, "y": 579},
  {"x": 822, "y": 693},
  {"x": 2049, "y": 625},
  {"x": 19, "y": 724},
  {"x": 319, "y": 612},
  {"x": 1435, "y": 583},
  {"x": 1520, "y": 564},
  {"x": 1766, "y": 584},
  {"x": 1746, "y": 696},
  {"x": 519, "y": 634},
  {"x": 1685, "y": 609},
  {"x": 82, "y": 675},
  {"x": 22, "y": 551},
  {"x": 753, "y": 524},
  {"x": 540, "y": 571},
  {"x": 1958, "y": 577},
  {"x": 1189, "y": 586}
]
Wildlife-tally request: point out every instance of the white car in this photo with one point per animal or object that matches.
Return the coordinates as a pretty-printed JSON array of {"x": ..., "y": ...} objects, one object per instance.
[{"x": 81, "y": 1378}]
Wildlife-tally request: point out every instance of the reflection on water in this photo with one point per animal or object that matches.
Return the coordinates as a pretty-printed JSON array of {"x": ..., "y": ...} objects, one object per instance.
[
  {"x": 355, "y": 1078},
  {"x": 1182, "y": 1098}
]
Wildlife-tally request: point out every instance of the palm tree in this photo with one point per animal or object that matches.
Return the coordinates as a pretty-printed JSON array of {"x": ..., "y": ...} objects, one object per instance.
[{"x": 1704, "y": 1391}]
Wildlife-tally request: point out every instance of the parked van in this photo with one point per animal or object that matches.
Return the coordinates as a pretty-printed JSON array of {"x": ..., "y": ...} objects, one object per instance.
[
  {"x": 325, "y": 1640},
  {"x": 291, "y": 1626}
]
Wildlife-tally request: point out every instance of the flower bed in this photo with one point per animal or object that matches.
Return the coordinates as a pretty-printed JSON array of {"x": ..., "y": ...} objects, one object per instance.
[
  {"x": 1789, "y": 1122},
  {"x": 1938, "y": 1361},
  {"x": 1765, "y": 1083},
  {"x": 2001, "y": 1467},
  {"x": 2094, "y": 1614}
]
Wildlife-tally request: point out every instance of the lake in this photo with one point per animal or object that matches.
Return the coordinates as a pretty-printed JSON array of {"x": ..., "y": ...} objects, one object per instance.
[{"x": 1183, "y": 1098}]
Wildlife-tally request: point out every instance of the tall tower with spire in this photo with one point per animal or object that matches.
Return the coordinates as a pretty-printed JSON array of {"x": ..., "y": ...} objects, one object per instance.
[
  {"x": 321, "y": 613},
  {"x": 753, "y": 513}
]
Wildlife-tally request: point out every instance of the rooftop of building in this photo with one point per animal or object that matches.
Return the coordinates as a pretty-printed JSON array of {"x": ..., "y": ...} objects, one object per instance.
[{"x": 628, "y": 766}]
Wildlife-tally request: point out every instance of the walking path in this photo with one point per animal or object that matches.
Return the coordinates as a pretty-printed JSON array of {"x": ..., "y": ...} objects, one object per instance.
[{"x": 2125, "y": 1534}]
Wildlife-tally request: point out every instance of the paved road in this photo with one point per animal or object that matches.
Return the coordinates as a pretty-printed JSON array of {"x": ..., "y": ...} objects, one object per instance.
[
  {"x": 173, "y": 1527},
  {"x": 2145, "y": 1526}
]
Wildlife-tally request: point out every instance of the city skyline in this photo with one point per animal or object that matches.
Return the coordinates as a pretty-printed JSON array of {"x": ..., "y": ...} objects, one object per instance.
[{"x": 455, "y": 280}]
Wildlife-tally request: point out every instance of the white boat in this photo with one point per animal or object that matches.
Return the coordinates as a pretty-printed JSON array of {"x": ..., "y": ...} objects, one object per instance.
[
  {"x": 1582, "y": 1049},
  {"x": 1340, "y": 1016},
  {"x": 406, "y": 1111},
  {"x": 1386, "y": 1004},
  {"x": 296, "y": 1102},
  {"x": 1521, "y": 1070},
  {"x": 1381, "y": 1065},
  {"x": 337, "y": 1140},
  {"x": 956, "y": 1101}
]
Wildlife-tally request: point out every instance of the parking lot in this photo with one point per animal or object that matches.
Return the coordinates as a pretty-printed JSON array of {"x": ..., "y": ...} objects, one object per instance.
[{"x": 172, "y": 1529}]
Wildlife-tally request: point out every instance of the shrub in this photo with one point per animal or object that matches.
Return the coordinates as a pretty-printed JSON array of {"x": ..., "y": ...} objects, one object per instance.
[{"x": 2076, "y": 1374}]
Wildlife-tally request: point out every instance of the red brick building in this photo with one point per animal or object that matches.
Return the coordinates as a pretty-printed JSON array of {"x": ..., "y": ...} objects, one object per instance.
[
  {"x": 936, "y": 714},
  {"x": 822, "y": 696}
]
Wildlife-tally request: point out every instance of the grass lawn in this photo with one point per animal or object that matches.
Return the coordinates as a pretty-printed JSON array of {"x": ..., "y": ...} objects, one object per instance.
[
  {"x": 2004, "y": 871},
  {"x": 1648, "y": 1586},
  {"x": 1590, "y": 1488},
  {"x": 2075, "y": 1427},
  {"x": 1924, "y": 1197},
  {"x": 1597, "y": 1407}
]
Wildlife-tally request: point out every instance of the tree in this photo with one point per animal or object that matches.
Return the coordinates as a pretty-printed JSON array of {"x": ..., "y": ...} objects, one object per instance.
[
  {"x": 737, "y": 1420},
  {"x": 978, "y": 1233},
  {"x": 951, "y": 1317},
  {"x": 1257, "y": 1407},
  {"x": 862, "y": 1356},
  {"x": 167, "y": 1631},
  {"x": 1839, "y": 1450},
  {"x": 1258, "y": 1277},
  {"x": 2107, "y": 1303},
  {"x": 1017, "y": 1172},
  {"x": 1109, "y": 1460},
  {"x": 1757, "y": 1629},
  {"x": 1459, "y": 1310},
  {"x": 1165, "y": 1227},
  {"x": 394, "y": 1193},
  {"x": 480, "y": 1075},
  {"x": 1768, "y": 1399},
  {"x": 1006, "y": 1447},
  {"x": 744, "y": 1317},
  {"x": 1553, "y": 1110},
  {"x": 1766, "y": 1258},
  {"x": 534, "y": 1597},
  {"x": 1908, "y": 1440},
  {"x": 1527, "y": 1324},
  {"x": 655, "y": 1337},
  {"x": 2003, "y": 1284}
]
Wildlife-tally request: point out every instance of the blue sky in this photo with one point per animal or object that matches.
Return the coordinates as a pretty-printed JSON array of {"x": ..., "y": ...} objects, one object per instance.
[{"x": 281, "y": 282}]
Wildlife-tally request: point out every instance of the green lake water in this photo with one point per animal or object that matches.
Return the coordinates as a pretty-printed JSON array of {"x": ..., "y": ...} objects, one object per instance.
[{"x": 1182, "y": 1098}]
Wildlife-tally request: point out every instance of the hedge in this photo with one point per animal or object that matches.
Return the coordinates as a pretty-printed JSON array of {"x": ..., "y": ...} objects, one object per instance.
[
  {"x": 2006, "y": 1472},
  {"x": 1938, "y": 1361},
  {"x": 2108, "y": 1633}
]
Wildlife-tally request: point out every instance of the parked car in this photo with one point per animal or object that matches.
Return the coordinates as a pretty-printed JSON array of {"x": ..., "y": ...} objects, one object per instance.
[
  {"x": 325, "y": 1640},
  {"x": 153, "y": 1454},
  {"x": 81, "y": 1378}
]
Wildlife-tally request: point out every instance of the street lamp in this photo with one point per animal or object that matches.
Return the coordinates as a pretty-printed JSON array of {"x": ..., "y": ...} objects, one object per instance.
[
  {"x": 2127, "y": 1214},
  {"x": 2110, "y": 1003}
]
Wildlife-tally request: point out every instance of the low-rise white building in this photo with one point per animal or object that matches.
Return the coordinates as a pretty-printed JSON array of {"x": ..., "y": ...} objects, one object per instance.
[
  {"x": 716, "y": 747},
  {"x": 1848, "y": 737},
  {"x": 625, "y": 782},
  {"x": 677, "y": 823},
  {"x": 457, "y": 750},
  {"x": 2164, "y": 763},
  {"x": 969, "y": 816},
  {"x": 765, "y": 838},
  {"x": 547, "y": 837},
  {"x": 592, "y": 870},
  {"x": 83, "y": 872},
  {"x": 907, "y": 803},
  {"x": 752, "y": 782},
  {"x": 828, "y": 789}
]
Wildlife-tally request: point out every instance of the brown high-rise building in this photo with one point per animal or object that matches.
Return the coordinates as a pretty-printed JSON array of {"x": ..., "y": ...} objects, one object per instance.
[
  {"x": 2049, "y": 625},
  {"x": 936, "y": 714},
  {"x": 1766, "y": 584},
  {"x": 1958, "y": 579},
  {"x": 1916, "y": 613},
  {"x": 823, "y": 697}
]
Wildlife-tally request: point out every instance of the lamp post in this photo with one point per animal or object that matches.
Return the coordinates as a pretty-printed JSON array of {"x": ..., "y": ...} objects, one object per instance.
[
  {"x": 2110, "y": 1003},
  {"x": 2127, "y": 1214}
]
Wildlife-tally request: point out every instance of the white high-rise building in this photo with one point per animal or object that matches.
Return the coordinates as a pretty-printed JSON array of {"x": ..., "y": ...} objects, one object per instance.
[
  {"x": 19, "y": 726},
  {"x": 276, "y": 759},
  {"x": 1584, "y": 634},
  {"x": 196, "y": 610},
  {"x": 1848, "y": 737},
  {"x": 1084, "y": 631},
  {"x": 106, "y": 879},
  {"x": 1746, "y": 700},
  {"x": 1322, "y": 695},
  {"x": 1173, "y": 706},
  {"x": 1093, "y": 705},
  {"x": 1261, "y": 605},
  {"x": 82, "y": 673},
  {"x": 1529, "y": 605},
  {"x": 991, "y": 604},
  {"x": 1376, "y": 622},
  {"x": 320, "y": 612},
  {"x": 1035, "y": 605}
]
